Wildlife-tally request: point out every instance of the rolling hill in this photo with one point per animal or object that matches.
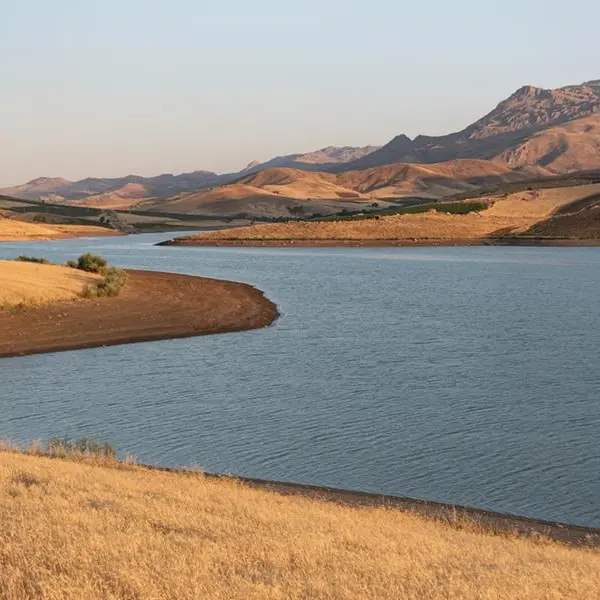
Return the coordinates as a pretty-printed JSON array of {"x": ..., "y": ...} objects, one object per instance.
[{"x": 280, "y": 192}]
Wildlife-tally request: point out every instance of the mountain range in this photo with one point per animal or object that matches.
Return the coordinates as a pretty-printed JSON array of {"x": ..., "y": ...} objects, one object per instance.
[{"x": 533, "y": 133}]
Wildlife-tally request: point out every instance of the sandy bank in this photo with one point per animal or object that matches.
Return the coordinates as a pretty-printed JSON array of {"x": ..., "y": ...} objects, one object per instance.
[
  {"x": 20, "y": 231},
  {"x": 151, "y": 306}
]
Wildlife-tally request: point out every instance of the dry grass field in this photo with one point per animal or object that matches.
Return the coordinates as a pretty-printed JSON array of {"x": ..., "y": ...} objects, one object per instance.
[
  {"x": 23, "y": 283},
  {"x": 71, "y": 530},
  {"x": 12, "y": 230}
]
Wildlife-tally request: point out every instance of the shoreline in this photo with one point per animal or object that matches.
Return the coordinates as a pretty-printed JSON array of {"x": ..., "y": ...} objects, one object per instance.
[
  {"x": 152, "y": 306},
  {"x": 490, "y": 521},
  {"x": 374, "y": 243}
]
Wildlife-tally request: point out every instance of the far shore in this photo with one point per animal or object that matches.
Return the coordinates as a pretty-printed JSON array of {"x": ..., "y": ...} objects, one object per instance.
[
  {"x": 151, "y": 306},
  {"x": 20, "y": 231},
  {"x": 374, "y": 243}
]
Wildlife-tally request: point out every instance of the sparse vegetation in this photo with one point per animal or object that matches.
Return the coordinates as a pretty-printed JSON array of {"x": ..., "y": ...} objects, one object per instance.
[
  {"x": 85, "y": 447},
  {"x": 109, "y": 286},
  {"x": 32, "y": 259},
  {"x": 451, "y": 208}
]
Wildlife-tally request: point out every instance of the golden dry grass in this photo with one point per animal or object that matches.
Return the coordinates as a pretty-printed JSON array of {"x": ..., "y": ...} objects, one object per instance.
[
  {"x": 431, "y": 225},
  {"x": 23, "y": 283},
  {"x": 539, "y": 204},
  {"x": 77, "y": 531},
  {"x": 16, "y": 231}
]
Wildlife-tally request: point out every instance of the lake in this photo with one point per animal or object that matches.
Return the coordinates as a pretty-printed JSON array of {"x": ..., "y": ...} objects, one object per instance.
[{"x": 465, "y": 374}]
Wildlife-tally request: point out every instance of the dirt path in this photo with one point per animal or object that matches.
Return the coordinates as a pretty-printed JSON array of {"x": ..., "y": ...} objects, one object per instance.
[{"x": 151, "y": 306}]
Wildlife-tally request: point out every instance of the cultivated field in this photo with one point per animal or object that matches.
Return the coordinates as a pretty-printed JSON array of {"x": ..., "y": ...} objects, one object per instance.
[
  {"x": 71, "y": 530},
  {"x": 23, "y": 283}
]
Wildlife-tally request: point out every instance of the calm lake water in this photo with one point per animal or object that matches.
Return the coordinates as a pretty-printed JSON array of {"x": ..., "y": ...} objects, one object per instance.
[{"x": 466, "y": 375}]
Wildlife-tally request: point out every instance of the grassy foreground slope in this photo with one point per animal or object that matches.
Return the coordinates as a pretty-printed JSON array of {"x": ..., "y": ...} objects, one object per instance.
[
  {"x": 72, "y": 530},
  {"x": 24, "y": 283}
]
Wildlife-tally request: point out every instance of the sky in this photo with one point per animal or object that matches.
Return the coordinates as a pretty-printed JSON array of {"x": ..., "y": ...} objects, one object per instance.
[{"x": 117, "y": 87}]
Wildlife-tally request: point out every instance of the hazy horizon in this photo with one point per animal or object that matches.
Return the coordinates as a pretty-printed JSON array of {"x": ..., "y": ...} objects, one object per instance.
[{"x": 147, "y": 88}]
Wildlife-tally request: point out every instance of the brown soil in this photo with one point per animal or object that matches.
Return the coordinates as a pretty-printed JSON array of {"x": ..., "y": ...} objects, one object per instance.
[{"x": 151, "y": 306}]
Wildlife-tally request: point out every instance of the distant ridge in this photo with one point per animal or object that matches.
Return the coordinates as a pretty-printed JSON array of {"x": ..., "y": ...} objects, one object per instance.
[{"x": 534, "y": 132}]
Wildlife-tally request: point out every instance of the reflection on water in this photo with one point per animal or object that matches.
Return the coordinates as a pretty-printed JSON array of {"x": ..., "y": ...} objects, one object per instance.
[{"x": 467, "y": 375}]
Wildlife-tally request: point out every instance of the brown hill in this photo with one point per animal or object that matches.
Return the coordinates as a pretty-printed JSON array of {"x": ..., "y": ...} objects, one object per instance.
[
  {"x": 283, "y": 191},
  {"x": 272, "y": 192},
  {"x": 58, "y": 190},
  {"x": 572, "y": 146},
  {"x": 124, "y": 197}
]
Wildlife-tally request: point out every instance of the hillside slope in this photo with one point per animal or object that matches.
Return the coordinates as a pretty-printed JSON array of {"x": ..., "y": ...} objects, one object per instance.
[
  {"x": 287, "y": 192},
  {"x": 569, "y": 147},
  {"x": 505, "y": 215},
  {"x": 77, "y": 531}
]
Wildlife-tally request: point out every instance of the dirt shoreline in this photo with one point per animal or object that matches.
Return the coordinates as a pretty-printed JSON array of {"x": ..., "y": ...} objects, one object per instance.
[
  {"x": 368, "y": 243},
  {"x": 152, "y": 306}
]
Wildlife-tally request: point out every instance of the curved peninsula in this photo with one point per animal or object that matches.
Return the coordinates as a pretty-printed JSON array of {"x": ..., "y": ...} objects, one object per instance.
[{"x": 151, "y": 306}]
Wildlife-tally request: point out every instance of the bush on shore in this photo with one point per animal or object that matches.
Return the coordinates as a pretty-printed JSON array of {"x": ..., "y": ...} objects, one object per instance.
[
  {"x": 113, "y": 279},
  {"x": 110, "y": 286},
  {"x": 92, "y": 263}
]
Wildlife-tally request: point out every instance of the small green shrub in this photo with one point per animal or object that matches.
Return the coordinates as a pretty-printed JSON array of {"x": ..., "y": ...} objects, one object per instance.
[
  {"x": 91, "y": 263},
  {"x": 110, "y": 286},
  {"x": 113, "y": 279},
  {"x": 33, "y": 259}
]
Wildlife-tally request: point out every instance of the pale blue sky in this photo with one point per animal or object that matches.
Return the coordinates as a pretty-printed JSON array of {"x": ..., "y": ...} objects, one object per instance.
[{"x": 114, "y": 87}]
